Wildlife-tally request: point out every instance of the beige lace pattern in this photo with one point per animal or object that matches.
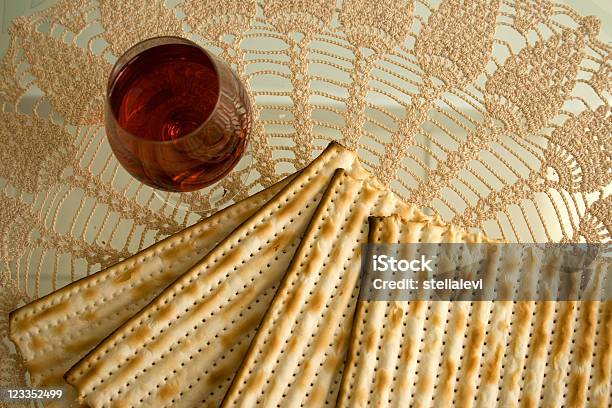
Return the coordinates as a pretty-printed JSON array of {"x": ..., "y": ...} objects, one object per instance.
[{"x": 494, "y": 114}]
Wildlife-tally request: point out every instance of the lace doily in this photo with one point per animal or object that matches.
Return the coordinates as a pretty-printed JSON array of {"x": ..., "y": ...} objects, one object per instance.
[{"x": 495, "y": 114}]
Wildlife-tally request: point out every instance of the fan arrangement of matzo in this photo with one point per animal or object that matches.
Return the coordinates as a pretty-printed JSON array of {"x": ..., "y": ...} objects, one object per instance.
[
  {"x": 54, "y": 332},
  {"x": 259, "y": 305}
]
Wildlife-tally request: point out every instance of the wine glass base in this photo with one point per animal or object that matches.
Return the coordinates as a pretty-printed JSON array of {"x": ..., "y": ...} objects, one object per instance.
[{"x": 216, "y": 196}]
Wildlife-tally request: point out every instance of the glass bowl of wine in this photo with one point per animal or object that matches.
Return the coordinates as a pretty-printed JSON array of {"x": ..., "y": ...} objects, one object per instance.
[{"x": 177, "y": 117}]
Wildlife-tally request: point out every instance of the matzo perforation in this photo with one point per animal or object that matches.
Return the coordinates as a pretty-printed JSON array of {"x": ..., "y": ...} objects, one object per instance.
[
  {"x": 310, "y": 183},
  {"x": 485, "y": 353},
  {"x": 51, "y": 340},
  {"x": 300, "y": 354}
]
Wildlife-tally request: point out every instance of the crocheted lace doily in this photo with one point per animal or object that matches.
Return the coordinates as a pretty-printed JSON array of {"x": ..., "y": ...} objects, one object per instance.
[{"x": 494, "y": 114}]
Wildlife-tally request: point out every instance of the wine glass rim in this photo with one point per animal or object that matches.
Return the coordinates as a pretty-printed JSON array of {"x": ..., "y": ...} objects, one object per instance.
[{"x": 127, "y": 57}]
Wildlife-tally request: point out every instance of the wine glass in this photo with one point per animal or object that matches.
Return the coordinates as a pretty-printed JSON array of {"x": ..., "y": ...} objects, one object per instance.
[{"x": 177, "y": 117}]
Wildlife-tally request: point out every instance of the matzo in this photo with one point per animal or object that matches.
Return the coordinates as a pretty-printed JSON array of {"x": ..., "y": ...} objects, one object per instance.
[
  {"x": 296, "y": 358},
  {"x": 502, "y": 353},
  {"x": 55, "y": 331},
  {"x": 183, "y": 349}
]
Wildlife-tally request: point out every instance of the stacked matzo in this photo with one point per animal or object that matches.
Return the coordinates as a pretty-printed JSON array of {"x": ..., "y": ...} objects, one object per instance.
[
  {"x": 54, "y": 332},
  {"x": 482, "y": 353},
  {"x": 262, "y": 314}
]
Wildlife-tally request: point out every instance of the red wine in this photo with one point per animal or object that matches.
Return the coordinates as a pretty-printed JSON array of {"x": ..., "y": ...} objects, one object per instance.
[
  {"x": 176, "y": 120},
  {"x": 165, "y": 93}
]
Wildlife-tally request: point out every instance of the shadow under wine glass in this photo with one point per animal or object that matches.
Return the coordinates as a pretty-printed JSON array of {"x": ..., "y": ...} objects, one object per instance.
[{"x": 178, "y": 119}]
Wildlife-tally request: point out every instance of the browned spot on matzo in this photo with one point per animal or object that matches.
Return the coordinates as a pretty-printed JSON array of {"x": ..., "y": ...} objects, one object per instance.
[
  {"x": 141, "y": 334},
  {"x": 49, "y": 313},
  {"x": 178, "y": 252},
  {"x": 169, "y": 390},
  {"x": 245, "y": 326},
  {"x": 81, "y": 343},
  {"x": 91, "y": 293}
]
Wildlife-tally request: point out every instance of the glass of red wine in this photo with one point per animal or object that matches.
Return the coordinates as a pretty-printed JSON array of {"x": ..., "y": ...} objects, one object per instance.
[{"x": 177, "y": 117}]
